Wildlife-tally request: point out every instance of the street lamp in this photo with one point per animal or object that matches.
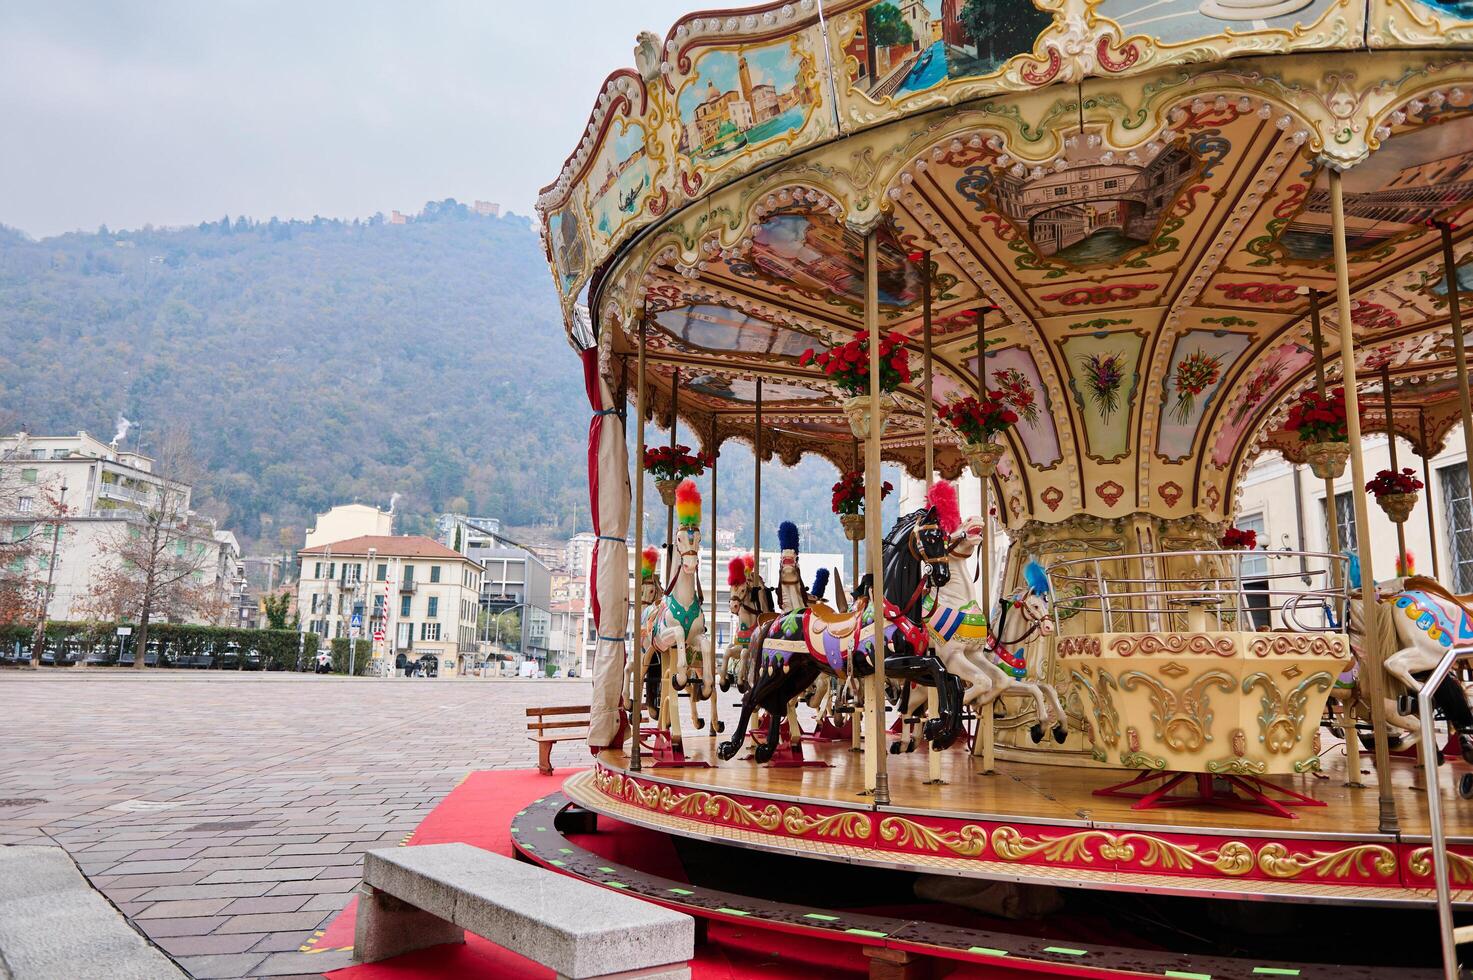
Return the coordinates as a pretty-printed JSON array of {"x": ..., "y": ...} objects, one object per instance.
[{"x": 39, "y": 640}]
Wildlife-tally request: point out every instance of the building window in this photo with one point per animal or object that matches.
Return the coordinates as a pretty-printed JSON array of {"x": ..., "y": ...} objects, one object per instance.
[
  {"x": 405, "y": 637},
  {"x": 434, "y": 609},
  {"x": 404, "y": 605},
  {"x": 408, "y": 574},
  {"x": 1344, "y": 520},
  {"x": 1459, "y": 510},
  {"x": 28, "y": 475},
  {"x": 429, "y": 631},
  {"x": 1255, "y": 566},
  {"x": 434, "y": 573},
  {"x": 383, "y": 572}
]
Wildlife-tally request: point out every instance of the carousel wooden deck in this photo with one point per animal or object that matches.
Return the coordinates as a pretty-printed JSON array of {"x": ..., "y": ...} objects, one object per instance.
[{"x": 1044, "y": 824}]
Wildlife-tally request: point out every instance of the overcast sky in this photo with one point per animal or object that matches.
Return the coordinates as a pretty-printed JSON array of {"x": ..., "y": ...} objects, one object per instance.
[{"x": 126, "y": 112}]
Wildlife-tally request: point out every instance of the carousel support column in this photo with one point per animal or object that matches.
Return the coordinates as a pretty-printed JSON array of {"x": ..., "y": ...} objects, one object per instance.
[
  {"x": 708, "y": 657},
  {"x": 1427, "y": 480},
  {"x": 637, "y": 670},
  {"x": 757, "y": 484},
  {"x": 670, "y": 509},
  {"x": 669, "y": 699},
  {"x": 877, "y": 741},
  {"x": 1332, "y": 538},
  {"x": 1375, "y": 673},
  {"x": 986, "y": 742},
  {"x": 1460, "y": 351},
  {"x": 1401, "y": 528},
  {"x": 933, "y": 697}
]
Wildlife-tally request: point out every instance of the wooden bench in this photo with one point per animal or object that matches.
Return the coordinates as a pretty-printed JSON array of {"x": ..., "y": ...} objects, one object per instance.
[
  {"x": 415, "y": 897},
  {"x": 565, "y": 729}
]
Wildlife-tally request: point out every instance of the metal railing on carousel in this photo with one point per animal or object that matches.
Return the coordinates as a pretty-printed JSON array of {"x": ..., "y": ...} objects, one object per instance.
[{"x": 1195, "y": 591}]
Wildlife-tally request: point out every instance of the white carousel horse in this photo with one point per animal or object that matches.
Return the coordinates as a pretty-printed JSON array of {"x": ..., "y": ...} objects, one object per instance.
[
  {"x": 970, "y": 650},
  {"x": 678, "y": 623},
  {"x": 1426, "y": 620}
]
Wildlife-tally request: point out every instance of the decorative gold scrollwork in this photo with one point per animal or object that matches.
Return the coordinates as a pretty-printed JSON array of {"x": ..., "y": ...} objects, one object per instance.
[
  {"x": 1276, "y": 861},
  {"x": 969, "y": 841},
  {"x": 1183, "y": 720},
  {"x": 1301, "y": 644},
  {"x": 1459, "y": 866},
  {"x": 1237, "y": 767},
  {"x": 1145, "y": 644},
  {"x": 1102, "y": 705},
  {"x": 1141, "y": 760},
  {"x": 1281, "y": 722},
  {"x": 1010, "y": 845},
  {"x": 848, "y": 825}
]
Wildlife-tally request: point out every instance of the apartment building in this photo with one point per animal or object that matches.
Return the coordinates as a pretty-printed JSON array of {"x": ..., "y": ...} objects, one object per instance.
[
  {"x": 516, "y": 580},
  {"x": 414, "y": 597},
  {"x": 106, "y": 493}
]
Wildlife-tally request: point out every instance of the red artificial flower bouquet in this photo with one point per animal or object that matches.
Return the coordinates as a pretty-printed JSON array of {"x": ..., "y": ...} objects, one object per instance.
[
  {"x": 674, "y": 462},
  {"x": 1390, "y": 481},
  {"x": 1317, "y": 419},
  {"x": 1237, "y": 539},
  {"x": 848, "y": 366},
  {"x": 979, "y": 421},
  {"x": 849, "y": 493}
]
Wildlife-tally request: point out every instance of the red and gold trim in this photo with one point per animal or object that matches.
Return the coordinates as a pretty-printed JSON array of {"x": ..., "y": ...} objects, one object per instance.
[{"x": 1242, "y": 861}]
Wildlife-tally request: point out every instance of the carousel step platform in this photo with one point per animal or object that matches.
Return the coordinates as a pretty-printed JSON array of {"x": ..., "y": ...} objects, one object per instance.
[
  {"x": 415, "y": 897},
  {"x": 551, "y": 725},
  {"x": 891, "y": 940}
]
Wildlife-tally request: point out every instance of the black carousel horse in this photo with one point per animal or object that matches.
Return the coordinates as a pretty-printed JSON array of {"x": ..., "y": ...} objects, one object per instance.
[{"x": 783, "y": 652}]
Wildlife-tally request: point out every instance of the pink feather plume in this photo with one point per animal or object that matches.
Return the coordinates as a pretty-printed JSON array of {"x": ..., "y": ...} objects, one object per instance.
[{"x": 948, "y": 510}]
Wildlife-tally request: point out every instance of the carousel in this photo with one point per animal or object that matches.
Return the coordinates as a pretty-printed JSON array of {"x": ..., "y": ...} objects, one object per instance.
[{"x": 1101, "y": 256}]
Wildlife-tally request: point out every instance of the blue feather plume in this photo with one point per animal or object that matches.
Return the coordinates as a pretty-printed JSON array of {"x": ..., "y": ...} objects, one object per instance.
[
  {"x": 1036, "y": 577},
  {"x": 820, "y": 583},
  {"x": 1352, "y": 569},
  {"x": 787, "y": 536}
]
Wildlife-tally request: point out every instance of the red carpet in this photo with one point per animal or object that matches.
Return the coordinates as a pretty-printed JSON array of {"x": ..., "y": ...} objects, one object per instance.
[{"x": 479, "y": 812}]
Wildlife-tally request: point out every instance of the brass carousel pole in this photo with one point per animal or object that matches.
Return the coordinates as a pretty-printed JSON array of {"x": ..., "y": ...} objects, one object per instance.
[
  {"x": 757, "y": 487},
  {"x": 1332, "y": 518},
  {"x": 986, "y": 742},
  {"x": 876, "y": 748},
  {"x": 1425, "y": 454},
  {"x": 1375, "y": 674},
  {"x": 670, "y": 509},
  {"x": 1401, "y": 531},
  {"x": 637, "y": 670},
  {"x": 709, "y": 656},
  {"x": 1460, "y": 352},
  {"x": 933, "y": 698},
  {"x": 856, "y": 720},
  {"x": 1332, "y": 532}
]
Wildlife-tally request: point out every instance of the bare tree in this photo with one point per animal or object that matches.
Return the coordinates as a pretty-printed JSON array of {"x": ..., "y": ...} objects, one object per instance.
[
  {"x": 160, "y": 564},
  {"x": 18, "y": 542}
]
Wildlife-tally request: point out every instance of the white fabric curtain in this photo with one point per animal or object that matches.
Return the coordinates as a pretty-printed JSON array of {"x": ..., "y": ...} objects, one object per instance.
[{"x": 608, "y": 588}]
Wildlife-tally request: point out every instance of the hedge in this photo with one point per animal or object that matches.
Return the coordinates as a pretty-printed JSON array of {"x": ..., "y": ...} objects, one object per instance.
[
  {"x": 278, "y": 649},
  {"x": 363, "y": 654}
]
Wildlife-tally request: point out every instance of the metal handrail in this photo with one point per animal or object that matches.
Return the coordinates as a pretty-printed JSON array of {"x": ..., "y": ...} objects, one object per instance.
[
  {"x": 1084, "y": 585},
  {"x": 1431, "y": 756}
]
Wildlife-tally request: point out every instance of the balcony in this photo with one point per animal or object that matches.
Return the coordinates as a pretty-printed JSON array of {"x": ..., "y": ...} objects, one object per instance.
[
  {"x": 116, "y": 491},
  {"x": 408, "y": 585}
]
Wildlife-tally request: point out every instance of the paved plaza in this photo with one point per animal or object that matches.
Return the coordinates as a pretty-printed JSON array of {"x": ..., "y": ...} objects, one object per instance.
[{"x": 226, "y": 814}]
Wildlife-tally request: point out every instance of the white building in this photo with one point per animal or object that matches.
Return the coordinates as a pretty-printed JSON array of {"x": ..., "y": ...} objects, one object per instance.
[
  {"x": 1270, "y": 504},
  {"x": 349, "y": 521},
  {"x": 420, "y": 595},
  {"x": 107, "y": 490}
]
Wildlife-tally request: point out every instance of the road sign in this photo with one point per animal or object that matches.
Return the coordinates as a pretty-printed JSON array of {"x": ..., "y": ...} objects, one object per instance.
[
  {"x": 354, "y": 632},
  {"x": 378, "y": 636},
  {"x": 125, "y": 631},
  {"x": 357, "y": 620}
]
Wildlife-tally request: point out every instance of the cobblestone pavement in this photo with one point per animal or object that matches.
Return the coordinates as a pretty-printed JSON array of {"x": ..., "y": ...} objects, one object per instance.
[{"x": 226, "y": 814}]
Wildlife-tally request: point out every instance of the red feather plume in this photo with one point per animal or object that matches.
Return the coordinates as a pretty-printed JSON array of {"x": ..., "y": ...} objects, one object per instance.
[
  {"x": 736, "y": 572},
  {"x": 948, "y": 512}
]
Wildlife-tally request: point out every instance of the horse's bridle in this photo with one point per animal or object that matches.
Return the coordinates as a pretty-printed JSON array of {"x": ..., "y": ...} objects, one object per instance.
[{"x": 1035, "y": 625}]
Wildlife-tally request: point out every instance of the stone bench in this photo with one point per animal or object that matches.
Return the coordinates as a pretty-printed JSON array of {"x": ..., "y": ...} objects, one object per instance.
[{"x": 414, "y": 897}]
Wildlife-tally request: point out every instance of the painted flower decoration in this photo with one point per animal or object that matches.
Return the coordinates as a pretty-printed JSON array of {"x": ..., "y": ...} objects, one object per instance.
[
  {"x": 1103, "y": 376},
  {"x": 848, "y": 366},
  {"x": 848, "y": 497},
  {"x": 1018, "y": 393},
  {"x": 1195, "y": 373}
]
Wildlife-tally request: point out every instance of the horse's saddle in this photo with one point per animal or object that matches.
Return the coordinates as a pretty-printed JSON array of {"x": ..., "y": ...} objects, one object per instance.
[{"x": 824, "y": 618}]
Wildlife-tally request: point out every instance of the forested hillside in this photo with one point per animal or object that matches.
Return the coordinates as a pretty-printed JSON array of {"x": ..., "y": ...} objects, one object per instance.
[{"x": 320, "y": 362}]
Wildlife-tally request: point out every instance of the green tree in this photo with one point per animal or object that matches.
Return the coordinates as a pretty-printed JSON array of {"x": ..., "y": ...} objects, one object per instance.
[
  {"x": 887, "y": 27},
  {"x": 277, "y": 608}
]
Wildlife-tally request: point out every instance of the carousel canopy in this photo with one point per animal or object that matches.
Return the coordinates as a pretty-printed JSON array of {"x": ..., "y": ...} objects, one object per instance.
[{"x": 1132, "y": 198}]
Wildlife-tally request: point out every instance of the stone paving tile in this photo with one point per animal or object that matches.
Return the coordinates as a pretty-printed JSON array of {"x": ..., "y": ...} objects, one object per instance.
[
  {"x": 221, "y": 966},
  {"x": 304, "y": 796}
]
